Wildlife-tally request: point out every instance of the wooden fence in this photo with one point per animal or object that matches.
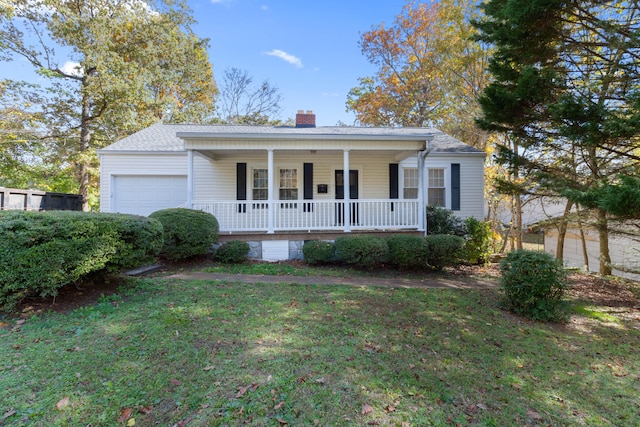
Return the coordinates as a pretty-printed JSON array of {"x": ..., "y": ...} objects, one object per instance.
[{"x": 35, "y": 200}]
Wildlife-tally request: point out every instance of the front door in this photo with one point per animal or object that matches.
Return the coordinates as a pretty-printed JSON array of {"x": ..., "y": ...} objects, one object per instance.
[{"x": 353, "y": 195}]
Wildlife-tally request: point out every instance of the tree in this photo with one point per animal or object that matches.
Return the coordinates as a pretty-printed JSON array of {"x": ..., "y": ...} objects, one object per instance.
[
  {"x": 241, "y": 102},
  {"x": 430, "y": 72},
  {"x": 566, "y": 82},
  {"x": 129, "y": 63}
]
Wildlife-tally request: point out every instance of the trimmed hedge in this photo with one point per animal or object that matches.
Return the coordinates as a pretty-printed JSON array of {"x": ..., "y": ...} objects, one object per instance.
[
  {"x": 233, "y": 252},
  {"x": 408, "y": 252},
  {"x": 444, "y": 250},
  {"x": 362, "y": 250},
  {"x": 318, "y": 252},
  {"x": 187, "y": 232},
  {"x": 533, "y": 285},
  {"x": 40, "y": 252},
  {"x": 477, "y": 247}
]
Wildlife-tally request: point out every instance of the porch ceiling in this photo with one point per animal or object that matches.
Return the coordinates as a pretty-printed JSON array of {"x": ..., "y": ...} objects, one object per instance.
[{"x": 222, "y": 154}]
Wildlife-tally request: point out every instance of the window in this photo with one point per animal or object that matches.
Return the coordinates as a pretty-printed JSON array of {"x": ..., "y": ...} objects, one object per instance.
[
  {"x": 436, "y": 192},
  {"x": 410, "y": 186},
  {"x": 288, "y": 189},
  {"x": 260, "y": 189}
]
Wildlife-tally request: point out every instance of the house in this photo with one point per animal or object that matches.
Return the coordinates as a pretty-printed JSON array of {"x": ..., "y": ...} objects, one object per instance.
[
  {"x": 279, "y": 186},
  {"x": 624, "y": 248}
]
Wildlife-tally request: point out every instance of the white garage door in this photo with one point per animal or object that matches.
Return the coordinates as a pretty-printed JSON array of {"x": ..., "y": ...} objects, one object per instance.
[{"x": 142, "y": 195}]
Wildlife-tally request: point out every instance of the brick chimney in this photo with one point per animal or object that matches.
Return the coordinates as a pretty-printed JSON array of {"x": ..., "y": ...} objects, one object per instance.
[{"x": 305, "y": 120}]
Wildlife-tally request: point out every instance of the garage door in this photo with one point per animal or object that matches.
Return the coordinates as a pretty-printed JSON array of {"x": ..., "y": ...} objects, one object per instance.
[{"x": 142, "y": 195}]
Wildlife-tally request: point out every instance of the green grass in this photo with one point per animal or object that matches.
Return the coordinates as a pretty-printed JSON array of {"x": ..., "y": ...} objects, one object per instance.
[{"x": 215, "y": 354}]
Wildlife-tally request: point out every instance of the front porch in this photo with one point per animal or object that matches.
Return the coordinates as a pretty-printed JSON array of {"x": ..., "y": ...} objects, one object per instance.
[{"x": 277, "y": 216}]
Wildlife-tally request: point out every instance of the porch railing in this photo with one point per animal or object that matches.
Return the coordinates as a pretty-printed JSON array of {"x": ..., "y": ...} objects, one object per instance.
[{"x": 312, "y": 215}]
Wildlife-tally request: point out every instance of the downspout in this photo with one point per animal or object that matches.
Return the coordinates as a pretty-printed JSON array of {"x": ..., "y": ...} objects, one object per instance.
[{"x": 422, "y": 207}]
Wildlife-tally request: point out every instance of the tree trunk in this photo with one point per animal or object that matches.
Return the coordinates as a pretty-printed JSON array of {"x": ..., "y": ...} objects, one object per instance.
[
  {"x": 603, "y": 235},
  {"x": 518, "y": 222},
  {"x": 85, "y": 143},
  {"x": 585, "y": 252},
  {"x": 562, "y": 231}
]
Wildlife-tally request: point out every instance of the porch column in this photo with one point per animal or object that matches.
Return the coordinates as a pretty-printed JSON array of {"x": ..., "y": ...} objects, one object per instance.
[
  {"x": 270, "y": 189},
  {"x": 422, "y": 208},
  {"x": 190, "y": 179},
  {"x": 347, "y": 193}
]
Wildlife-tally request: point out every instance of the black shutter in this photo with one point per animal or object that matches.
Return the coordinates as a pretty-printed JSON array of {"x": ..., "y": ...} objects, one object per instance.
[
  {"x": 393, "y": 182},
  {"x": 455, "y": 186},
  {"x": 307, "y": 183},
  {"x": 241, "y": 186}
]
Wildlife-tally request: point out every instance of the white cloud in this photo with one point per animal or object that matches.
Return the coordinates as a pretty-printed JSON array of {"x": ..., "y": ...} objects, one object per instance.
[
  {"x": 72, "y": 68},
  {"x": 286, "y": 57}
]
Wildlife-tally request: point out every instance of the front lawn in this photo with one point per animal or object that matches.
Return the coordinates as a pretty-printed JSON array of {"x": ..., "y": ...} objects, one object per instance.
[{"x": 197, "y": 353}]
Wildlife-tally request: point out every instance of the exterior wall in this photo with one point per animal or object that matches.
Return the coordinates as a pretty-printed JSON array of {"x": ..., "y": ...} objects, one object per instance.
[
  {"x": 215, "y": 180},
  {"x": 471, "y": 181},
  {"x": 113, "y": 164},
  {"x": 624, "y": 251}
]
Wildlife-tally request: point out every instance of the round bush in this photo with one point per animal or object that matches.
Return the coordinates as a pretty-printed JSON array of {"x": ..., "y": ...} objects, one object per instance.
[
  {"x": 187, "y": 232},
  {"x": 362, "y": 250},
  {"x": 318, "y": 252},
  {"x": 443, "y": 250},
  {"x": 41, "y": 252},
  {"x": 408, "y": 252},
  {"x": 233, "y": 252},
  {"x": 533, "y": 285}
]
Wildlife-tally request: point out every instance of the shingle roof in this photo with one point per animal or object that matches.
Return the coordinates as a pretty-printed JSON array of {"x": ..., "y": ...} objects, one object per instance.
[{"x": 164, "y": 137}]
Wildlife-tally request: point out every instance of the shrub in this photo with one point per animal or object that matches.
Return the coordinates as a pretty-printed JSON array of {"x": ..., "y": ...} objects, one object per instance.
[
  {"x": 443, "y": 221},
  {"x": 318, "y": 252},
  {"x": 362, "y": 250},
  {"x": 40, "y": 252},
  {"x": 187, "y": 232},
  {"x": 443, "y": 250},
  {"x": 408, "y": 252},
  {"x": 533, "y": 285},
  {"x": 233, "y": 252},
  {"x": 477, "y": 247}
]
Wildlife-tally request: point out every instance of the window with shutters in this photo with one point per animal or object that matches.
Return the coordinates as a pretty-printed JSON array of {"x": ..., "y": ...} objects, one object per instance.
[
  {"x": 410, "y": 183},
  {"x": 288, "y": 187},
  {"x": 436, "y": 193}
]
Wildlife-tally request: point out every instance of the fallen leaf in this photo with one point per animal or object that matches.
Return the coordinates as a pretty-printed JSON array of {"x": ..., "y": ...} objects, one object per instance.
[
  {"x": 278, "y": 406},
  {"x": 389, "y": 408},
  {"x": 516, "y": 386},
  {"x": 11, "y": 412},
  {"x": 145, "y": 409},
  {"x": 125, "y": 414},
  {"x": 175, "y": 382},
  {"x": 482, "y": 406},
  {"x": 367, "y": 409},
  {"x": 282, "y": 422},
  {"x": 243, "y": 390},
  {"x": 404, "y": 424},
  {"x": 62, "y": 403},
  {"x": 131, "y": 422},
  {"x": 534, "y": 415},
  {"x": 208, "y": 368},
  {"x": 320, "y": 380}
]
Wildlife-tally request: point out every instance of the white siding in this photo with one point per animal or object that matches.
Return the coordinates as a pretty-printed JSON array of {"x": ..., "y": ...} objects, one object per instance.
[
  {"x": 131, "y": 164},
  {"x": 471, "y": 181},
  {"x": 216, "y": 180}
]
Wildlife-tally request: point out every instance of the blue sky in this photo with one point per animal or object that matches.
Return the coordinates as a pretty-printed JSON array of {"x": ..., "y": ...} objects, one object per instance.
[{"x": 308, "y": 49}]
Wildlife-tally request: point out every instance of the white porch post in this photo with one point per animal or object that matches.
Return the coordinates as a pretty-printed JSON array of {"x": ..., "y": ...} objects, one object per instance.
[
  {"x": 190, "y": 179},
  {"x": 347, "y": 192},
  {"x": 270, "y": 190},
  {"x": 422, "y": 208}
]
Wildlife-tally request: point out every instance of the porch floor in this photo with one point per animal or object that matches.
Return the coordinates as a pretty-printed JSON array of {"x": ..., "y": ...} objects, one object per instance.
[{"x": 310, "y": 235}]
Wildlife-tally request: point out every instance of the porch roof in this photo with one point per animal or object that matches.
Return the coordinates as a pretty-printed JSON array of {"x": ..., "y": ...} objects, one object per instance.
[{"x": 178, "y": 137}]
